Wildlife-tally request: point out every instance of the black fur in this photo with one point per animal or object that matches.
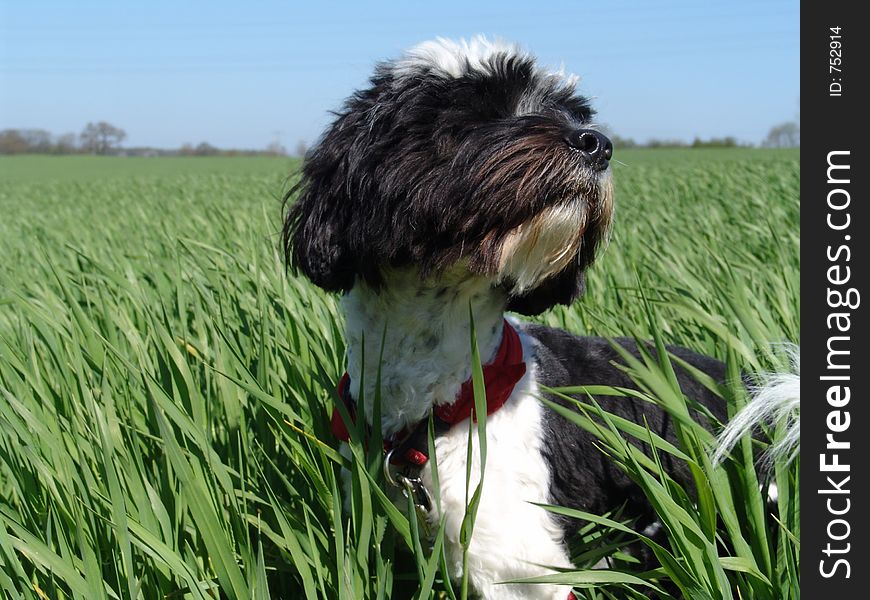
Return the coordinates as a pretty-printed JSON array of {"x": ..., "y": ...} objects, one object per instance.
[
  {"x": 582, "y": 476},
  {"x": 563, "y": 288},
  {"x": 425, "y": 170}
]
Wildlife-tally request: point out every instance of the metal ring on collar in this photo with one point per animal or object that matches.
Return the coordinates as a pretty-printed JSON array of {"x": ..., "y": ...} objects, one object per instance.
[{"x": 388, "y": 472}]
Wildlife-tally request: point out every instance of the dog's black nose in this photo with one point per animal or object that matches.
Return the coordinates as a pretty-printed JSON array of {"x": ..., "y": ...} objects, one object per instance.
[{"x": 593, "y": 145}]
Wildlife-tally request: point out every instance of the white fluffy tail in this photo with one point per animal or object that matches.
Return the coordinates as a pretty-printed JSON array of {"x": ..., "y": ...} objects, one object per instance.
[{"x": 775, "y": 399}]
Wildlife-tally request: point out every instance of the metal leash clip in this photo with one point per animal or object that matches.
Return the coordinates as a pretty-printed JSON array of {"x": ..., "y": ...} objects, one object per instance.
[{"x": 412, "y": 487}]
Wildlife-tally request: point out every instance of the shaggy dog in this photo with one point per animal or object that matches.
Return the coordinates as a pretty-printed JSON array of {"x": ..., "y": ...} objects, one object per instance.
[{"x": 467, "y": 179}]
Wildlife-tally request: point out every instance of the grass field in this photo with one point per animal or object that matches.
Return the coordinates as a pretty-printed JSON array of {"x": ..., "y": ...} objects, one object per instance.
[{"x": 165, "y": 388}]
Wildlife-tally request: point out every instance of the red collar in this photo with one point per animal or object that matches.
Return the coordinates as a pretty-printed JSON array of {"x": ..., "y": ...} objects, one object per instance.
[{"x": 499, "y": 377}]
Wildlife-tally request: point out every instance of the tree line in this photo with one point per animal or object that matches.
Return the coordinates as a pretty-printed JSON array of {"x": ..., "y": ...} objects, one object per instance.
[
  {"x": 95, "y": 138},
  {"x": 784, "y": 135},
  {"x": 105, "y": 139}
]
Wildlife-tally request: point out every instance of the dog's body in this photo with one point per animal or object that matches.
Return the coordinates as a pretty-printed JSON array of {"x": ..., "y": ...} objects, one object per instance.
[
  {"x": 467, "y": 179},
  {"x": 533, "y": 455}
]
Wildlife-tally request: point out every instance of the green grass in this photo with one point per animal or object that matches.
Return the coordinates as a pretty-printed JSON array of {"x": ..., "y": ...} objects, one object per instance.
[
  {"x": 24, "y": 169},
  {"x": 165, "y": 389}
]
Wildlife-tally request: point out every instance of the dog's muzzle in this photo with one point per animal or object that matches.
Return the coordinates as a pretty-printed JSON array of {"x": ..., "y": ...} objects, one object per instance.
[{"x": 595, "y": 147}]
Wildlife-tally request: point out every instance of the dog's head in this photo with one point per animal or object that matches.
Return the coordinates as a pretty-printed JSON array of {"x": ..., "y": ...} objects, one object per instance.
[{"x": 461, "y": 155}]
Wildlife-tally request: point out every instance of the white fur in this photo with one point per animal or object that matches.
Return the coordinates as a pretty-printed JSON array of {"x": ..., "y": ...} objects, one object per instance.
[
  {"x": 544, "y": 246},
  {"x": 772, "y": 493},
  {"x": 427, "y": 348},
  {"x": 511, "y": 536},
  {"x": 455, "y": 58},
  {"x": 776, "y": 400},
  {"x": 534, "y": 99}
]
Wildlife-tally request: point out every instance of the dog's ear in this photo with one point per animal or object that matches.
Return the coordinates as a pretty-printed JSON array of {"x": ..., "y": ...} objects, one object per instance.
[
  {"x": 312, "y": 236},
  {"x": 318, "y": 227},
  {"x": 562, "y": 288},
  {"x": 330, "y": 208}
]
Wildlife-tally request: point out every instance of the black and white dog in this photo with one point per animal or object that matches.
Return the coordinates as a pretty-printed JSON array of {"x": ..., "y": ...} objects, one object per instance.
[{"x": 467, "y": 175}]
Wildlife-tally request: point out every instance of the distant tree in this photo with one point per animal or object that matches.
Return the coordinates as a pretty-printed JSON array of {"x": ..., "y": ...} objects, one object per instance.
[
  {"x": 38, "y": 140},
  {"x": 276, "y": 149},
  {"x": 621, "y": 143},
  {"x": 101, "y": 138},
  {"x": 659, "y": 143},
  {"x": 725, "y": 142},
  {"x": 12, "y": 142},
  {"x": 301, "y": 148},
  {"x": 206, "y": 149},
  {"x": 25, "y": 141},
  {"x": 65, "y": 144},
  {"x": 784, "y": 135}
]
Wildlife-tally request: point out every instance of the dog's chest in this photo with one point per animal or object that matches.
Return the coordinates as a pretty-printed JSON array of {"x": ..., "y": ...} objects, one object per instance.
[
  {"x": 515, "y": 466},
  {"x": 512, "y": 535},
  {"x": 509, "y": 527}
]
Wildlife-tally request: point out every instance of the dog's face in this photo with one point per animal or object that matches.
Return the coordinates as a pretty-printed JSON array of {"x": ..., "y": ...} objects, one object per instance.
[{"x": 460, "y": 155}]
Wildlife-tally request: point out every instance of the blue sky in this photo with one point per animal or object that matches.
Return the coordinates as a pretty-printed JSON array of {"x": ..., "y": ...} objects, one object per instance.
[{"x": 236, "y": 74}]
